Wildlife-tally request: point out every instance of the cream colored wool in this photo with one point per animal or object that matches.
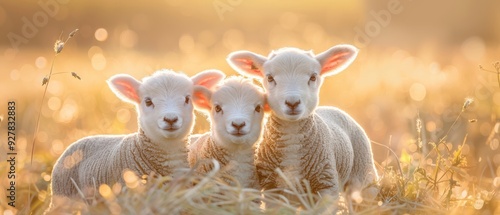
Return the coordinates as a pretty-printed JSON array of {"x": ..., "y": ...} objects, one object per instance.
[
  {"x": 234, "y": 102},
  {"x": 165, "y": 118},
  {"x": 237, "y": 168},
  {"x": 322, "y": 145}
]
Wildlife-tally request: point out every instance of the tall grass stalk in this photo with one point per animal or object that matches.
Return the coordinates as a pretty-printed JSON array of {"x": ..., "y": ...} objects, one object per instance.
[{"x": 58, "y": 47}]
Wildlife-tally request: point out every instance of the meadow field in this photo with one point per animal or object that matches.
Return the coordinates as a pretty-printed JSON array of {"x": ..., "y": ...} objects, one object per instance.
[{"x": 425, "y": 87}]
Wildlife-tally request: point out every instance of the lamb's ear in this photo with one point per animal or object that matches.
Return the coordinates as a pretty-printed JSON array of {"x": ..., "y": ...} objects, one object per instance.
[
  {"x": 336, "y": 59},
  {"x": 125, "y": 87},
  {"x": 267, "y": 108},
  {"x": 201, "y": 98},
  {"x": 208, "y": 78},
  {"x": 247, "y": 63}
]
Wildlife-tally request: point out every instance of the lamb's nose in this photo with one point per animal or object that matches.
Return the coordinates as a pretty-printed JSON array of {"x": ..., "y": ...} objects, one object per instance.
[
  {"x": 170, "y": 121},
  {"x": 238, "y": 126},
  {"x": 292, "y": 105}
]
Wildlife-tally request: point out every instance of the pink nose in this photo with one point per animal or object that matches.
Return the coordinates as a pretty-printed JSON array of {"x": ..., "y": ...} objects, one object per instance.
[
  {"x": 171, "y": 121},
  {"x": 238, "y": 126},
  {"x": 292, "y": 105}
]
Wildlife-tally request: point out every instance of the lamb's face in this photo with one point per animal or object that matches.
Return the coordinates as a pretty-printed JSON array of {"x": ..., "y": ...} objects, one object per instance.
[
  {"x": 166, "y": 109},
  {"x": 292, "y": 77},
  {"x": 292, "y": 81},
  {"x": 237, "y": 111},
  {"x": 164, "y": 100}
]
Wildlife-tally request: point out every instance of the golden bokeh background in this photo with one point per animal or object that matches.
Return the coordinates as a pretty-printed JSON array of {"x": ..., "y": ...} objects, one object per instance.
[{"x": 418, "y": 59}]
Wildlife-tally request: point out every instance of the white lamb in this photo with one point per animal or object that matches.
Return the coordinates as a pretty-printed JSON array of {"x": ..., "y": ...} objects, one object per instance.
[
  {"x": 322, "y": 145},
  {"x": 164, "y": 104},
  {"x": 236, "y": 110}
]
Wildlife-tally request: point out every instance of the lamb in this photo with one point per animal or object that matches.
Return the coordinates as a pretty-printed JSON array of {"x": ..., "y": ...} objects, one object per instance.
[
  {"x": 322, "y": 145},
  {"x": 165, "y": 115},
  {"x": 236, "y": 111}
]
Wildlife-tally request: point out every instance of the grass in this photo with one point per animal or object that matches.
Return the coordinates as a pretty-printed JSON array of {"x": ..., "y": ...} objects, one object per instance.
[{"x": 420, "y": 174}]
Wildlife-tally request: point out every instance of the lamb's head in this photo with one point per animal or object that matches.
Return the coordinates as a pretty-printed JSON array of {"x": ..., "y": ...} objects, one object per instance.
[
  {"x": 292, "y": 77},
  {"x": 236, "y": 109},
  {"x": 164, "y": 100}
]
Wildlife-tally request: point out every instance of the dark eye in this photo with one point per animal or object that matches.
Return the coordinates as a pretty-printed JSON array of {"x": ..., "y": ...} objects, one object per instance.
[
  {"x": 257, "y": 109},
  {"x": 270, "y": 79},
  {"x": 148, "y": 102},
  {"x": 187, "y": 100},
  {"x": 218, "y": 108},
  {"x": 313, "y": 77}
]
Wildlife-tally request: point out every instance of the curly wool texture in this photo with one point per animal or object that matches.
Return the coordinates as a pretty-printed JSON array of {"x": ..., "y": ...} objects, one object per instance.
[
  {"x": 319, "y": 149},
  {"x": 103, "y": 159},
  {"x": 237, "y": 165}
]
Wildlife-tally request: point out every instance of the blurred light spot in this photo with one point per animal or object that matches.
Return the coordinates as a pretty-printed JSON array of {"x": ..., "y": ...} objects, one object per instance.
[
  {"x": 356, "y": 196},
  {"x": 41, "y": 62},
  {"x": 233, "y": 39},
  {"x": 15, "y": 75},
  {"x": 186, "y": 43},
  {"x": 123, "y": 115},
  {"x": 57, "y": 147},
  {"x": 417, "y": 92},
  {"x": 496, "y": 182},
  {"x": 497, "y": 126},
  {"x": 42, "y": 195},
  {"x": 380, "y": 203},
  {"x": 98, "y": 62},
  {"x": 478, "y": 204},
  {"x": 8, "y": 212},
  {"x": 55, "y": 88},
  {"x": 42, "y": 137},
  {"x": 46, "y": 177},
  {"x": 117, "y": 188},
  {"x": 54, "y": 103},
  {"x": 412, "y": 147},
  {"x": 473, "y": 49},
  {"x": 429, "y": 161},
  {"x": 494, "y": 144},
  {"x": 21, "y": 143},
  {"x": 68, "y": 112},
  {"x": 101, "y": 34},
  {"x": 128, "y": 38},
  {"x": 289, "y": 20},
  {"x": 73, "y": 159},
  {"x": 130, "y": 179},
  {"x": 416, "y": 156},
  {"x": 94, "y": 50},
  {"x": 105, "y": 191},
  {"x": 430, "y": 126}
]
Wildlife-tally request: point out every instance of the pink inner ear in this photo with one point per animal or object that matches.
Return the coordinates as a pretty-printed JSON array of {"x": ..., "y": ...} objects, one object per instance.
[
  {"x": 334, "y": 61},
  {"x": 248, "y": 65},
  {"x": 201, "y": 100},
  {"x": 127, "y": 90}
]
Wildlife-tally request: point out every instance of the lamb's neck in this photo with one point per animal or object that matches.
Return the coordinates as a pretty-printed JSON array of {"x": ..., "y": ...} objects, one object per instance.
[
  {"x": 162, "y": 159},
  {"x": 279, "y": 127}
]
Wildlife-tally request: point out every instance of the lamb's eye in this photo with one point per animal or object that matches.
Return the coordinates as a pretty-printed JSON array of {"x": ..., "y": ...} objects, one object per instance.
[
  {"x": 270, "y": 78},
  {"x": 187, "y": 100},
  {"x": 218, "y": 108},
  {"x": 148, "y": 102},
  {"x": 313, "y": 77},
  {"x": 258, "y": 109}
]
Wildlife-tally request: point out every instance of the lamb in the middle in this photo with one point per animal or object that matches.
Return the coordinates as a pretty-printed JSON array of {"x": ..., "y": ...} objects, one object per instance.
[{"x": 236, "y": 111}]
